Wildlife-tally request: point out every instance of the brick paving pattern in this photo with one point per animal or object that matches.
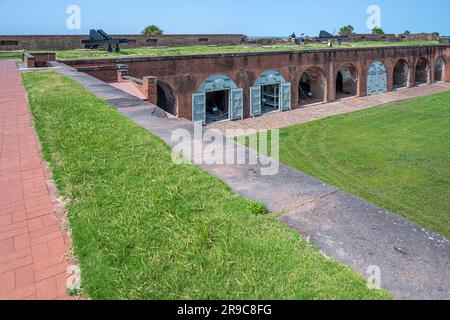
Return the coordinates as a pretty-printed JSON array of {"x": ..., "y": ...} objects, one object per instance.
[
  {"x": 302, "y": 115},
  {"x": 33, "y": 247}
]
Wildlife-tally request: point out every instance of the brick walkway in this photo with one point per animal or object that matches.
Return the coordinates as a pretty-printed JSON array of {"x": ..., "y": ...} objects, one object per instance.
[
  {"x": 284, "y": 119},
  {"x": 32, "y": 244}
]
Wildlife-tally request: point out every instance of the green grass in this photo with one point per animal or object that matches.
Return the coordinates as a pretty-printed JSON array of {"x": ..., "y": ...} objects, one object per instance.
[
  {"x": 11, "y": 55},
  {"x": 195, "y": 50},
  {"x": 192, "y": 50},
  {"x": 396, "y": 156},
  {"x": 144, "y": 228}
]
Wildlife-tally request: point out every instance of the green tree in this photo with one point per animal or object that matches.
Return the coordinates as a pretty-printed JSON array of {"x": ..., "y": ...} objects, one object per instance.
[
  {"x": 152, "y": 30},
  {"x": 346, "y": 31},
  {"x": 407, "y": 32},
  {"x": 377, "y": 30}
]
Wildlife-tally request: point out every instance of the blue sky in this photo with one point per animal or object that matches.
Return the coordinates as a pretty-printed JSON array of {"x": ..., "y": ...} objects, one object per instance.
[{"x": 251, "y": 17}]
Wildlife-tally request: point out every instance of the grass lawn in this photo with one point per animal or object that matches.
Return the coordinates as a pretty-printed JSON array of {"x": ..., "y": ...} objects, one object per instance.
[
  {"x": 11, "y": 55},
  {"x": 144, "y": 228},
  {"x": 396, "y": 156},
  {"x": 192, "y": 50}
]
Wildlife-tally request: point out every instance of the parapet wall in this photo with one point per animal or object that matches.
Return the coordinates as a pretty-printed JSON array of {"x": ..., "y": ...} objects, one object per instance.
[
  {"x": 420, "y": 37},
  {"x": 68, "y": 42},
  {"x": 394, "y": 37}
]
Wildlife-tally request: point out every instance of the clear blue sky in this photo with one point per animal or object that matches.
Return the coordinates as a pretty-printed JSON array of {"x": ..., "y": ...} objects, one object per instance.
[{"x": 251, "y": 17}]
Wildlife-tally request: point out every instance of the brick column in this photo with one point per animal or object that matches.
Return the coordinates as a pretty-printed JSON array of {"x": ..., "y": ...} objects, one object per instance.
[
  {"x": 361, "y": 89},
  {"x": 331, "y": 83},
  {"x": 295, "y": 103},
  {"x": 245, "y": 78},
  {"x": 150, "y": 88},
  {"x": 122, "y": 71},
  {"x": 29, "y": 60},
  {"x": 431, "y": 72},
  {"x": 390, "y": 76},
  {"x": 447, "y": 70},
  {"x": 412, "y": 74}
]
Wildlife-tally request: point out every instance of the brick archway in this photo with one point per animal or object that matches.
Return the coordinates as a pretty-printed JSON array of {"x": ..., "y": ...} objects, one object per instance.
[
  {"x": 439, "y": 69},
  {"x": 312, "y": 86},
  {"x": 401, "y": 74},
  {"x": 347, "y": 81},
  {"x": 166, "y": 99},
  {"x": 422, "y": 71}
]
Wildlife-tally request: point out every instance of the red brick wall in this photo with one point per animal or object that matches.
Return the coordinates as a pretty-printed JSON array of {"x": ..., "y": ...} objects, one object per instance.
[
  {"x": 39, "y": 60},
  {"x": 184, "y": 75},
  {"x": 68, "y": 42},
  {"x": 394, "y": 37},
  {"x": 106, "y": 73}
]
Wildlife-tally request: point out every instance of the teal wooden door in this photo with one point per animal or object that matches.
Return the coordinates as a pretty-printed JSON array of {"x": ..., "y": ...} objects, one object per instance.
[
  {"x": 236, "y": 104},
  {"x": 199, "y": 108},
  {"x": 255, "y": 101},
  {"x": 376, "y": 79},
  {"x": 285, "y": 96}
]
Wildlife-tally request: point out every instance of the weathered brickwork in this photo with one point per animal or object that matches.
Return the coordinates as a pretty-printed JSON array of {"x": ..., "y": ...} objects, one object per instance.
[
  {"x": 68, "y": 42},
  {"x": 394, "y": 37},
  {"x": 184, "y": 74},
  {"x": 38, "y": 60}
]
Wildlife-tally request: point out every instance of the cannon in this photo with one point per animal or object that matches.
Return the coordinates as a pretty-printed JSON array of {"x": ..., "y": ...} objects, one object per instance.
[{"x": 99, "y": 38}]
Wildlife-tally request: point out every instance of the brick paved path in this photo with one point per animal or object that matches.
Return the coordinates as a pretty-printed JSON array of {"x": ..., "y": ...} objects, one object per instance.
[
  {"x": 32, "y": 245},
  {"x": 284, "y": 119}
]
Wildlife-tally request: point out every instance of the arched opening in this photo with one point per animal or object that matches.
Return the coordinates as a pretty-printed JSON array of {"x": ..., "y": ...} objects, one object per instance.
[
  {"x": 376, "y": 78},
  {"x": 339, "y": 83},
  {"x": 218, "y": 99},
  {"x": 269, "y": 85},
  {"x": 312, "y": 86},
  {"x": 422, "y": 72},
  {"x": 166, "y": 99},
  {"x": 217, "y": 106},
  {"x": 439, "y": 74},
  {"x": 401, "y": 75},
  {"x": 346, "y": 81}
]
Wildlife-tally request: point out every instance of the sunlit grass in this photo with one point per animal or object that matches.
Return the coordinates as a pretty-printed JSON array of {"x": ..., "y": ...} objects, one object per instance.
[
  {"x": 145, "y": 228},
  {"x": 194, "y": 50},
  {"x": 396, "y": 156}
]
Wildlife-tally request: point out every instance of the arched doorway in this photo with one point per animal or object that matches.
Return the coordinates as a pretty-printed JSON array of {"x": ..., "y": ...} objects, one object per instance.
[
  {"x": 401, "y": 75},
  {"x": 166, "y": 99},
  {"x": 270, "y": 93},
  {"x": 347, "y": 81},
  {"x": 376, "y": 78},
  {"x": 439, "y": 74},
  {"x": 312, "y": 86},
  {"x": 422, "y": 72},
  {"x": 218, "y": 99}
]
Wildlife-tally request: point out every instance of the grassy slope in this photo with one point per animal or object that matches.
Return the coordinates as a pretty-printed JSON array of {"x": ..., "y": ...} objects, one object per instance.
[
  {"x": 145, "y": 228},
  {"x": 172, "y": 51},
  {"x": 397, "y": 156}
]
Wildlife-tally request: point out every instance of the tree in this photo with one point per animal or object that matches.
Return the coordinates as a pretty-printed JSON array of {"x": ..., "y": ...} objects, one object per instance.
[
  {"x": 346, "y": 31},
  {"x": 407, "y": 32},
  {"x": 152, "y": 30},
  {"x": 377, "y": 30}
]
